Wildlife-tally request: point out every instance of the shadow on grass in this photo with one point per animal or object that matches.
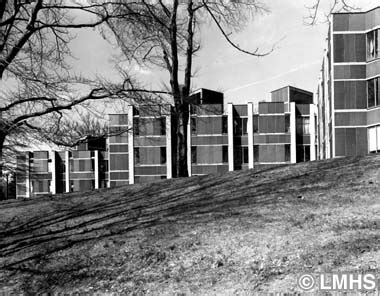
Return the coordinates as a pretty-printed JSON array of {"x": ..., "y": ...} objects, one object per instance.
[{"x": 123, "y": 210}]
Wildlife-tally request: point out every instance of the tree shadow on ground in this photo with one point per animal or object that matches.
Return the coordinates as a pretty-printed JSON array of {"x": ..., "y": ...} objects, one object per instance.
[{"x": 123, "y": 210}]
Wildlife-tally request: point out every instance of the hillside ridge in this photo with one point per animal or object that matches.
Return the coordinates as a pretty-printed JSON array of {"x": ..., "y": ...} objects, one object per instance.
[{"x": 282, "y": 201}]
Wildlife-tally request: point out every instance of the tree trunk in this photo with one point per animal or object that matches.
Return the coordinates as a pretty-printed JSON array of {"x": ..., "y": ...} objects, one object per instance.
[
  {"x": 180, "y": 122},
  {"x": 2, "y": 140}
]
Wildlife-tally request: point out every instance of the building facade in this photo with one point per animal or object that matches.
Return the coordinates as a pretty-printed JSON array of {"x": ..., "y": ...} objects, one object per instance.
[
  {"x": 348, "y": 95},
  {"x": 220, "y": 138}
]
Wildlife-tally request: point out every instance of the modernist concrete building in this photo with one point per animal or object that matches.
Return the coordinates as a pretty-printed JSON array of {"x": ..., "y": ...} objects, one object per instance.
[
  {"x": 348, "y": 94},
  {"x": 44, "y": 172},
  {"x": 221, "y": 137}
]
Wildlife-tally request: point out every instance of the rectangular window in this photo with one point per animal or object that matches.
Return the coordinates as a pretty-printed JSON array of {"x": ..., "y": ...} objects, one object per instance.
[
  {"x": 72, "y": 187},
  {"x": 303, "y": 153},
  {"x": 103, "y": 166},
  {"x": 40, "y": 165},
  {"x": 237, "y": 127},
  {"x": 224, "y": 124},
  {"x": 163, "y": 155},
  {"x": 287, "y": 123},
  {"x": 371, "y": 96},
  {"x": 300, "y": 153},
  {"x": 163, "y": 126},
  {"x": 373, "y": 139},
  {"x": 137, "y": 155},
  {"x": 193, "y": 122},
  {"x": 237, "y": 155},
  {"x": 245, "y": 154},
  {"x": 287, "y": 152},
  {"x": 240, "y": 155},
  {"x": 373, "y": 46},
  {"x": 225, "y": 154},
  {"x": 256, "y": 153},
  {"x": 255, "y": 123},
  {"x": 306, "y": 125},
  {"x": 61, "y": 167},
  {"x": 244, "y": 123},
  {"x": 158, "y": 126},
  {"x": 240, "y": 126},
  {"x": 307, "y": 153},
  {"x": 193, "y": 154},
  {"x": 303, "y": 125},
  {"x": 136, "y": 130},
  {"x": 373, "y": 92}
]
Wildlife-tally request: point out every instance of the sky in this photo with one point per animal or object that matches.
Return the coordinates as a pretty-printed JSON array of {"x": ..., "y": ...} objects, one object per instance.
[{"x": 296, "y": 59}]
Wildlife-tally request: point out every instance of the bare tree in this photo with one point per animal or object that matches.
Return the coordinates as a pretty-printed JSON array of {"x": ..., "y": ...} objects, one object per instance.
[
  {"x": 37, "y": 85},
  {"x": 166, "y": 34},
  {"x": 319, "y": 7}
]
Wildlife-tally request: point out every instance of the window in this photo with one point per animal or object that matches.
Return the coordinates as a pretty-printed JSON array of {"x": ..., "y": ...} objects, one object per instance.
[
  {"x": 287, "y": 123},
  {"x": 307, "y": 153},
  {"x": 287, "y": 152},
  {"x": 303, "y": 153},
  {"x": 374, "y": 139},
  {"x": 224, "y": 124},
  {"x": 225, "y": 153},
  {"x": 193, "y": 122},
  {"x": 136, "y": 130},
  {"x": 240, "y": 155},
  {"x": 237, "y": 155},
  {"x": 41, "y": 186},
  {"x": 303, "y": 125},
  {"x": 255, "y": 123},
  {"x": 300, "y": 154},
  {"x": 72, "y": 188},
  {"x": 373, "y": 47},
  {"x": 256, "y": 153},
  {"x": 244, "y": 123},
  {"x": 137, "y": 155},
  {"x": 163, "y": 155},
  {"x": 163, "y": 126},
  {"x": 40, "y": 165},
  {"x": 103, "y": 166},
  {"x": 61, "y": 167},
  {"x": 245, "y": 154},
  {"x": 82, "y": 165},
  {"x": 373, "y": 92},
  {"x": 240, "y": 126},
  {"x": 193, "y": 154},
  {"x": 149, "y": 126}
]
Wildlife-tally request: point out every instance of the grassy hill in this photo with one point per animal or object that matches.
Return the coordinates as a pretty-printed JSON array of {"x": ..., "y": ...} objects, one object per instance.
[{"x": 242, "y": 232}]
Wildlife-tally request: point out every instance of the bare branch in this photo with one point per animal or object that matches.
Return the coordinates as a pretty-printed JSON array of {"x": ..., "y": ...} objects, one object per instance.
[
  {"x": 226, "y": 36},
  {"x": 316, "y": 8}
]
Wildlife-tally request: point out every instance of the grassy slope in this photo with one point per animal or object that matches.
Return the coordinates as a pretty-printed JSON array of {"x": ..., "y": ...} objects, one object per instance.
[{"x": 241, "y": 232}]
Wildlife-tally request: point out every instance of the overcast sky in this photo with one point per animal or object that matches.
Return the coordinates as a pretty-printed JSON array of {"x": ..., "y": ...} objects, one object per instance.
[{"x": 295, "y": 61}]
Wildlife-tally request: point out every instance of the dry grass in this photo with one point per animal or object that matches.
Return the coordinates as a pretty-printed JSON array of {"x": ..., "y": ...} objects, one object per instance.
[{"x": 234, "y": 234}]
